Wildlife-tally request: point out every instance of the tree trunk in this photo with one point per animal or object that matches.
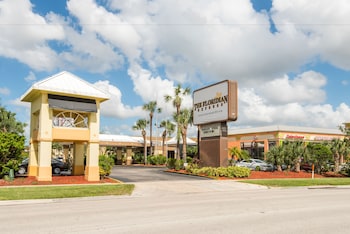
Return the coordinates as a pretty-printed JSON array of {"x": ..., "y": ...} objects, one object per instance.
[
  {"x": 150, "y": 135},
  {"x": 297, "y": 166},
  {"x": 144, "y": 147},
  {"x": 163, "y": 143},
  {"x": 279, "y": 168},
  {"x": 336, "y": 162}
]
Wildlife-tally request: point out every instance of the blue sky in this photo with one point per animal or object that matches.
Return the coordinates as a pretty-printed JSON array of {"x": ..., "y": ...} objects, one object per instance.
[{"x": 290, "y": 58}]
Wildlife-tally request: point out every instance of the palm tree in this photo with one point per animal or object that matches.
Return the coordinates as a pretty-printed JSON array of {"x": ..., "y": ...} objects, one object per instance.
[
  {"x": 151, "y": 107},
  {"x": 169, "y": 128},
  {"x": 276, "y": 156},
  {"x": 8, "y": 122},
  {"x": 345, "y": 128},
  {"x": 238, "y": 154},
  {"x": 141, "y": 124},
  {"x": 184, "y": 118},
  {"x": 294, "y": 151},
  {"x": 339, "y": 148},
  {"x": 179, "y": 92}
]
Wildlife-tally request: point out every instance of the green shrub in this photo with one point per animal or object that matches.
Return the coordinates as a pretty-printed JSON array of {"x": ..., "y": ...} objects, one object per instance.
[
  {"x": 345, "y": 170},
  {"x": 191, "y": 167},
  {"x": 139, "y": 158},
  {"x": 189, "y": 160},
  {"x": 171, "y": 163},
  {"x": 238, "y": 172},
  {"x": 11, "y": 148},
  {"x": 157, "y": 159},
  {"x": 179, "y": 164},
  {"x": 105, "y": 164},
  {"x": 231, "y": 171}
]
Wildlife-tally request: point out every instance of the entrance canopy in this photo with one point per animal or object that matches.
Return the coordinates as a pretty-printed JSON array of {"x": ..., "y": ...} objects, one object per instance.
[{"x": 173, "y": 141}]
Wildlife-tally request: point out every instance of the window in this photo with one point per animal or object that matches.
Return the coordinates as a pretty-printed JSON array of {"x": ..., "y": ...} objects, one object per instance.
[{"x": 70, "y": 119}]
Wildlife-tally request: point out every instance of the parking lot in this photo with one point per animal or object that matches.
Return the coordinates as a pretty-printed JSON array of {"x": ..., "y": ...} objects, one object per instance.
[{"x": 155, "y": 181}]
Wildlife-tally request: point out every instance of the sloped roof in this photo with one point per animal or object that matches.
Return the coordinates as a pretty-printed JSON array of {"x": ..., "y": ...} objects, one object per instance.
[
  {"x": 173, "y": 140},
  {"x": 120, "y": 140},
  {"x": 117, "y": 138},
  {"x": 65, "y": 83}
]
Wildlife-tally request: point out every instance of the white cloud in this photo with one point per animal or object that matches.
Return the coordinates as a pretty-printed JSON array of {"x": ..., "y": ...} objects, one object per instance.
[
  {"x": 323, "y": 22},
  {"x": 345, "y": 82},
  {"x": 110, "y": 26},
  {"x": 4, "y": 91},
  {"x": 114, "y": 106},
  {"x": 151, "y": 88},
  {"x": 30, "y": 78},
  {"x": 27, "y": 43},
  {"x": 254, "y": 110},
  {"x": 88, "y": 52},
  {"x": 17, "y": 102},
  {"x": 305, "y": 88}
]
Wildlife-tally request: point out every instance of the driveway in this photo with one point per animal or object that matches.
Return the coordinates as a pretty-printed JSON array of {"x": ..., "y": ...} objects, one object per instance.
[
  {"x": 133, "y": 174},
  {"x": 154, "y": 181}
]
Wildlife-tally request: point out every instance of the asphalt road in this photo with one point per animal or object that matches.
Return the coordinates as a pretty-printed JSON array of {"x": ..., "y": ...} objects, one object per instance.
[
  {"x": 132, "y": 174},
  {"x": 186, "y": 206}
]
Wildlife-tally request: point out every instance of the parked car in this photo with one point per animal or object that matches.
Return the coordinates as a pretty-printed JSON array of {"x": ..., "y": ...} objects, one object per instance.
[
  {"x": 306, "y": 167},
  {"x": 255, "y": 164},
  {"x": 57, "y": 166}
]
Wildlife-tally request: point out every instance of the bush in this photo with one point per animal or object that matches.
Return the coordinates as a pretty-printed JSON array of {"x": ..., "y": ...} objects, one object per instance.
[
  {"x": 157, "y": 160},
  {"x": 106, "y": 164},
  {"x": 231, "y": 171},
  {"x": 171, "y": 163},
  {"x": 191, "y": 167},
  {"x": 139, "y": 158},
  {"x": 189, "y": 160},
  {"x": 345, "y": 170},
  {"x": 11, "y": 149},
  {"x": 179, "y": 164}
]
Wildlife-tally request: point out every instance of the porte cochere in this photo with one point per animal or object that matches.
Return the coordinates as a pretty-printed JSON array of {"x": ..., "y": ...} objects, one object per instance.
[{"x": 64, "y": 108}]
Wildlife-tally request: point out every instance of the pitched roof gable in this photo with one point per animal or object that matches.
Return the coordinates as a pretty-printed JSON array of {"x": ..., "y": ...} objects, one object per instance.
[{"x": 65, "y": 83}]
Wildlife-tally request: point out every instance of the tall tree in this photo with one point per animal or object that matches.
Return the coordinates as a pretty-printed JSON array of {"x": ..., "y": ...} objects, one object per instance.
[
  {"x": 169, "y": 128},
  {"x": 151, "y": 107},
  {"x": 276, "y": 156},
  {"x": 8, "y": 122},
  {"x": 237, "y": 154},
  {"x": 345, "y": 128},
  {"x": 11, "y": 141},
  {"x": 339, "y": 149},
  {"x": 294, "y": 151},
  {"x": 179, "y": 93},
  {"x": 184, "y": 119},
  {"x": 141, "y": 124},
  {"x": 319, "y": 155}
]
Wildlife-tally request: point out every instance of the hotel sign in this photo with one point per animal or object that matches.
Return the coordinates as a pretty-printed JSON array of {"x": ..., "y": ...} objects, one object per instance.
[{"x": 215, "y": 103}]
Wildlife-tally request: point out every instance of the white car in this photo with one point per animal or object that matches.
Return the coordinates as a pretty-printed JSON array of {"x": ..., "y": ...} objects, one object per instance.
[{"x": 255, "y": 164}]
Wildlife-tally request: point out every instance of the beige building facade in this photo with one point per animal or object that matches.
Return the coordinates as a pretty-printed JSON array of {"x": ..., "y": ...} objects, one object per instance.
[{"x": 258, "y": 141}]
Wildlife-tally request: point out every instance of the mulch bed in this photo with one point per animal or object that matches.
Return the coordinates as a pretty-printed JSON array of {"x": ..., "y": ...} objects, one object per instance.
[
  {"x": 281, "y": 174},
  {"x": 56, "y": 180},
  {"x": 267, "y": 175}
]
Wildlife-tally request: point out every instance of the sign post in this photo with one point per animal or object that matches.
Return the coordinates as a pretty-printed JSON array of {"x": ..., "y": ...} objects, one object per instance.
[{"x": 213, "y": 106}]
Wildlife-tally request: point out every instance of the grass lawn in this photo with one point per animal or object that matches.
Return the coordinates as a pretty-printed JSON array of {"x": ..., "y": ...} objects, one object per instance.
[
  {"x": 49, "y": 192},
  {"x": 300, "y": 182}
]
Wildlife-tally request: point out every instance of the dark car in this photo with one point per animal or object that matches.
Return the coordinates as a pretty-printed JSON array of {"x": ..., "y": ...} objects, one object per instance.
[{"x": 57, "y": 166}]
